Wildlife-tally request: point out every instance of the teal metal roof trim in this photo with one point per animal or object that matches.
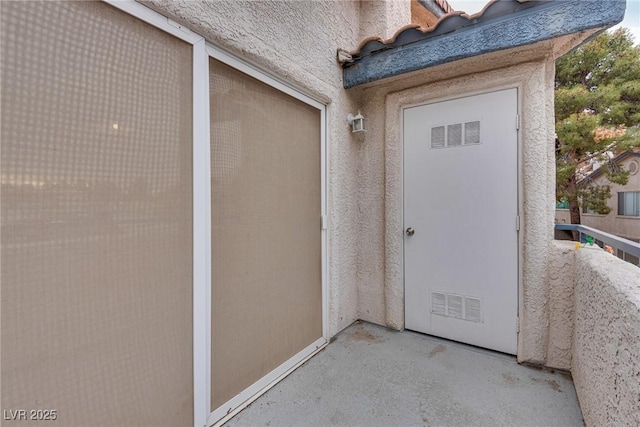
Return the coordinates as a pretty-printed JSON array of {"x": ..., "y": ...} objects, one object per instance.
[{"x": 503, "y": 24}]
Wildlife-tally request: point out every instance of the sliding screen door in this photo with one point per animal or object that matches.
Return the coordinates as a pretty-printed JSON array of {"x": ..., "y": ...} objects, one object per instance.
[
  {"x": 96, "y": 173},
  {"x": 266, "y": 230}
]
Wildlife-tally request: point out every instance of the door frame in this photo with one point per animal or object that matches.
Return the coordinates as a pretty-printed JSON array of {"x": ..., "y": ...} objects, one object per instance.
[
  {"x": 203, "y": 414},
  {"x": 396, "y": 103},
  {"x": 458, "y": 97}
]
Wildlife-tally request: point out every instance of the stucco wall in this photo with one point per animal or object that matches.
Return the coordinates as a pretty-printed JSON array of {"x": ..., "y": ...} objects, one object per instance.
[
  {"x": 593, "y": 330},
  {"x": 380, "y": 288},
  {"x": 304, "y": 56},
  {"x": 365, "y": 175},
  {"x": 365, "y": 170},
  {"x": 606, "y": 341},
  {"x": 381, "y": 18},
  {"x": 563, "y": 216},
  {"x": 560, "y": 309}
]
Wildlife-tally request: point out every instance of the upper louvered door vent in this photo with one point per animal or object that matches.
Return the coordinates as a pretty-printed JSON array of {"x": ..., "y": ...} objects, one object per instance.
[{"x": 455, "y": 135}]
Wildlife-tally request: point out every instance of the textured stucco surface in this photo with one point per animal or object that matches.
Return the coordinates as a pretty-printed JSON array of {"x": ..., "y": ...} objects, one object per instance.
[
  {"x": 606, "y": 342},
  {"x": 380, "y": 264},
  {"x": 365, "y": 170},
  {"x": 304, "y": 56},
  {"x": 381, "y": 18},
  {"x": 538, "y": 207},
  {"x": 562, "y": 283},
  {"x": 593, "y": 329},
  {"x": 535, "y": 85},
  {"x": 365, "y": 183}
]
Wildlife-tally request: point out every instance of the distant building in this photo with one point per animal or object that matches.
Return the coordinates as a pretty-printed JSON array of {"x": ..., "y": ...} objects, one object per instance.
[{"x": 624, "y": 218}]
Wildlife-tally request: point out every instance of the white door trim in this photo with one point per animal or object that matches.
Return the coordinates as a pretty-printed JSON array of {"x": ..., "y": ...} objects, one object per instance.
[
  {"x": 201, "y": 237},
  {"x": 517, "y": 77},
  {"x": 509, "y": 105}
]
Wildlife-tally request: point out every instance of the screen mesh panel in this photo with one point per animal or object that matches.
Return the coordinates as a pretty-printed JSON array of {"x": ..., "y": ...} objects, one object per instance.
[
  {"x": 266, "y": 237},
  {"x": 96, "y": 235},
  {"x": 454, "y": 135},
  {"x": 438, "y": 137},
  {"x": 472, "y": 132}
]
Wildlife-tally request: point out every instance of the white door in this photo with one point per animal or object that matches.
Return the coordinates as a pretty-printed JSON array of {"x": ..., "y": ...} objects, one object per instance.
[{"x": 460, "y": 219}]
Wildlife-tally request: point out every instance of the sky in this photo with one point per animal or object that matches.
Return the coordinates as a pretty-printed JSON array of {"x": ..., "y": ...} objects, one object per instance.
[{"x": 631, "y": 17}]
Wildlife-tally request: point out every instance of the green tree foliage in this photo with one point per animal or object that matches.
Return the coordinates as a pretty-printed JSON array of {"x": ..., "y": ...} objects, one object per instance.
[{"x": 597, "y": 98}]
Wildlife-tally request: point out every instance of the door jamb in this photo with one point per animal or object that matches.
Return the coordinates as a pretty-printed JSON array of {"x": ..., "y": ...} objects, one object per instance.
[{"x": 402, "y": 106}]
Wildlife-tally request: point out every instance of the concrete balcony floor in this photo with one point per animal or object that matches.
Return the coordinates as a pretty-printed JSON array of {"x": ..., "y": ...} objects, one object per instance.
[{"x": 372, "y": 376}]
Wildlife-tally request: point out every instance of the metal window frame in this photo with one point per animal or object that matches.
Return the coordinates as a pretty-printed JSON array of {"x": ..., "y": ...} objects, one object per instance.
[
  {"x": 622, "y": 196},
  {"x": 202, "y": 50},
  {"x": 222, "y": 414},
  {"x": 201, "y": 201}
]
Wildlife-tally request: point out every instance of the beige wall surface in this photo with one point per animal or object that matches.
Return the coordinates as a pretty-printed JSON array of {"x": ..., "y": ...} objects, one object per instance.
[
  {"x": 134, "y": 252},
  {"x": 382, "y": 18},
  {"x": 592, "y": 330},
  {"x": 560, "y": 308},
  {"x": 304, "y": 56},
  {"x": 562, "y": 216},
  {"x": 380, "y": 290},
  {"x": 365, "y": 185},
  {"x": 364, "y": 170},
  {"x": 606, "y": 345},
  {"x": 624, "y": 226},
  {"x": 96, "y": 277},
  {"x": 380, "y": 259}
]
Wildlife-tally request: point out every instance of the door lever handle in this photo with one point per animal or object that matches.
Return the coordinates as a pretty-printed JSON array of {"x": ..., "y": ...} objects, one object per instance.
[{"x": 410, "y": 231}]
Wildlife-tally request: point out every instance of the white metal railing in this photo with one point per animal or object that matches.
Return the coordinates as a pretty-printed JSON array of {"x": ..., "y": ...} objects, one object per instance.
[{"x": 622, "y": 245}]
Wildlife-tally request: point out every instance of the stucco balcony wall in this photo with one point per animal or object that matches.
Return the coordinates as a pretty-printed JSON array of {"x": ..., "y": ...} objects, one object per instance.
[
  {"x": 606, "y": 340},
  {"x": 594, "y": 329}
]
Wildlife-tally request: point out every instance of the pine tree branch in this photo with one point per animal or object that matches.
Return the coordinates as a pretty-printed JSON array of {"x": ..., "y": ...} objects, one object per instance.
[{"x": 598, "y": 153}]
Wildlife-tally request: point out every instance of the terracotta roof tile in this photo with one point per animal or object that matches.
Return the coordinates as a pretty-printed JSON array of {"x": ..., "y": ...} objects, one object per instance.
[
  {"x": 444, "y": 5},
  {"x": 501, "y": 25},
  {"x": 453, "y": 20}
]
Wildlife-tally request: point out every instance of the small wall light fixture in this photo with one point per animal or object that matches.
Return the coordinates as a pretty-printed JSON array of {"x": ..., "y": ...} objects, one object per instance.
[{"x": 356, "y": 122}]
